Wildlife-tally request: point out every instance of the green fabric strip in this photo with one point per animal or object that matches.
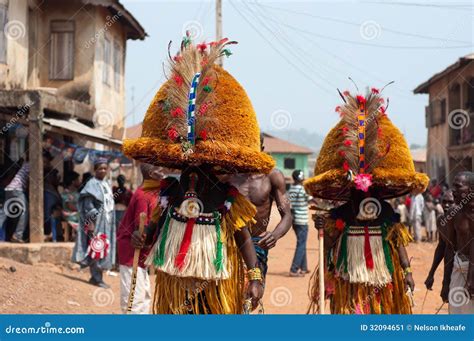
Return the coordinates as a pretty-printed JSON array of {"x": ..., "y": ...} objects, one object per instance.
[
  {"x": 342, "y": 259},
  {"x": 218, "y": 260},
  {"x": 160, "y": 260},
  {"x": 386, "y": 248}
]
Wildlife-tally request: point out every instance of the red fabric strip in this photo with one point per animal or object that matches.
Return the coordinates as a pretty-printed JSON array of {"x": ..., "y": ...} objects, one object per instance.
[
  {"x": 369, "y": 260},
  {"x": 183, "y": 249}
]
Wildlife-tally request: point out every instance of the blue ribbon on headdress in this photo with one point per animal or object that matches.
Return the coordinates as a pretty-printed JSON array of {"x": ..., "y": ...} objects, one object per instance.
[{"x": 191, "y": 109}]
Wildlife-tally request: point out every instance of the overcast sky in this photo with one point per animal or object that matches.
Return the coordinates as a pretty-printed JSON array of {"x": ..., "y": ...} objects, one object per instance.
[{"x": 292, "y": 55}]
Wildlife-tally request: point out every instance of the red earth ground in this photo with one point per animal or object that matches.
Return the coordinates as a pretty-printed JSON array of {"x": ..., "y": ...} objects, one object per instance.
[{"x": 50, "y": 289}]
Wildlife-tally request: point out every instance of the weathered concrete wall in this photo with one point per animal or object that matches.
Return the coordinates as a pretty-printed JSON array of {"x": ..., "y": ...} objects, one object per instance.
[
  {"x": 109, "y": 102},
  {"x": 34, "y": 253},
  {"x": 82, "y": 16},
  {"x": 28, "y": 55},
  {"x": 13, "y": 74}
]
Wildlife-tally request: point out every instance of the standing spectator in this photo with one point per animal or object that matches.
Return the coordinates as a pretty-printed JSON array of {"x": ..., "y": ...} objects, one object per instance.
[
  {"x": 299, "y": 208},
  {"x": 96, "y": 238},
  {"x": 52, "y": 205},
  {"x": 122, "y": 196},
  {"x": 435, "y": 189},
  {"x": 70, "y": 197},
  {"x": 416, "y": 214},
  {"x": 447, "y": 202},
  {"x": 430, "y": 217},
  {"x": 402, "y": 210},
  {"x": 144, "y": 200},
  {"x": 15, "y": 195}
]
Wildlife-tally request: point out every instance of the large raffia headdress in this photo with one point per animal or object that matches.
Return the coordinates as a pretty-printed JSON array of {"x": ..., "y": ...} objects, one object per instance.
[
  {"x": 201, "y": 115},
  {"x": 364, "y": 151}
]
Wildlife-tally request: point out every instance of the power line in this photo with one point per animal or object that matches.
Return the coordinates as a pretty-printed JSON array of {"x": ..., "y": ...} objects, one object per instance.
[
  {"x": 342, "y": 21},
  {"x": 302, "y": 72},
  {"x": 455, "y": 7},
  {"x": 289, "y": 46},
  {"x": 368, "y": 44},
  {"x": 365, "y": 72}
]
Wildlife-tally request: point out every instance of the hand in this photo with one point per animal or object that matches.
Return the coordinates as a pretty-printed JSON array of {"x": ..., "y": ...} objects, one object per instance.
[
  {"x": 90, "y": 227},
  {"x": 138, "y": 241},
  {"x": 255, "y": 292},
  {"x": 319, "y": 221},
  {"x": 268, "y": 240},
  {"x": 445, "y": 293},
  {"x": 409, "y": 282},
  {"x": 429, "y": 282}
]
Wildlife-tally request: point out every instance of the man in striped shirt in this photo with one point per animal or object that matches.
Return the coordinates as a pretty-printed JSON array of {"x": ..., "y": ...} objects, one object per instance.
[
  {"x": 299, "y": 207},
  {"x": 16, "y": 202}
]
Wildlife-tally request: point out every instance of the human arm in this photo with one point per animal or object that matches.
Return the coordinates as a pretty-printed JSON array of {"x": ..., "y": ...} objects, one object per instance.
[
  {"x": 140, "y": 241},
  {"x": 470, "y": 272},
  {"x": 90, "y": 211},
  {"x": 405, "y": 264},
  {"x": 244, "y": 243},
  {"x": 448, "y": 260},
  {"x": 269, "y": 238},
  {"x": 437, "y": 258},
  {"x": 331, "y": 234}
]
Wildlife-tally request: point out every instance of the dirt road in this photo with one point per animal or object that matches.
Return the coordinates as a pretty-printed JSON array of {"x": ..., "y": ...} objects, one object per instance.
[{"x": 51, "y": 289}]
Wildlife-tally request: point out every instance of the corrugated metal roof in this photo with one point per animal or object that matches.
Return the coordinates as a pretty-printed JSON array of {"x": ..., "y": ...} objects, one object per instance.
[{"x": 77, "y": 127}]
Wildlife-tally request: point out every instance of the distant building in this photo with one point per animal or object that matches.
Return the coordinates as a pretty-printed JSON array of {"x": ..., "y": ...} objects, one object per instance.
[
  {"x": 450, "y": 119},
  {"x": 288, "y": 156},
  {"x": 419, "y": 159},
  {"x": 62, "y": 67}
]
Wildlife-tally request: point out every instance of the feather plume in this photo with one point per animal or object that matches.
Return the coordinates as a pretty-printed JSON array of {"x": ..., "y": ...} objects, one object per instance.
[
  {"x": 373, "y": 148},
  {"x": 192, "y": 59}
]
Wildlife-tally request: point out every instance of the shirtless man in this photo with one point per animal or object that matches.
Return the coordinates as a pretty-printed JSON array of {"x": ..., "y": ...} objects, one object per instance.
[
  {"x": 458, "y": 281},
  {"x": 447, "y": 202},
  {"x": 262, "y": 190}
]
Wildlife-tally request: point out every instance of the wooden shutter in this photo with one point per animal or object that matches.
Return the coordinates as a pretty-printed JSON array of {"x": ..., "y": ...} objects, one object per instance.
[
  {"x": 442, "y": 104},
  {"x": 61, "y": 59},
  {"x": 428, "y": 116}
]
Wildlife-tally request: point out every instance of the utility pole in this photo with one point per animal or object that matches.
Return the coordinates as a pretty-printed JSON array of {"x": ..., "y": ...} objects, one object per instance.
[{"x": 219, "y": 26}]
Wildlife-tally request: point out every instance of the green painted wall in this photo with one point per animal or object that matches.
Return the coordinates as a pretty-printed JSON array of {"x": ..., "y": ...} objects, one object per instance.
[{"x": 301, "y": 162}]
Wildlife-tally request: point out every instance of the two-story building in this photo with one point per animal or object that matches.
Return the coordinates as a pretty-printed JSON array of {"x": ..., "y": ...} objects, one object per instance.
[
  {"x": 450, "y": 119},
  {"x": 62, "y": 67}
]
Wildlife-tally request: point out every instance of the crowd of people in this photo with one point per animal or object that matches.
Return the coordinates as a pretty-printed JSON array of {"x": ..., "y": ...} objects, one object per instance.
[
  {"x": 61, "y": 198},
  {"x": 420, "y": 211}
]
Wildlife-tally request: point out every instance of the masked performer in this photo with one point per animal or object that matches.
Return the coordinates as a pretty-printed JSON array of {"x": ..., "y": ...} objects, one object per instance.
[
  {"x": 364, "y": 161},
  {"x": 202, "y": 122}
]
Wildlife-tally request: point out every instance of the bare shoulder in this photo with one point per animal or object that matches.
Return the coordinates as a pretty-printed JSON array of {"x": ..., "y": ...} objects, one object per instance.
[{"x": 276, "y": 177}]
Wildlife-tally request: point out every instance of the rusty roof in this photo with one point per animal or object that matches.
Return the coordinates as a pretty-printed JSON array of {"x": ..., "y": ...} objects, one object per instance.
[
  {"x": 423, "y": 88},
  {"x": 134, "y": 131},
  {"x": 135, "y": 29},
  {"x": 276, "y": 145}
]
